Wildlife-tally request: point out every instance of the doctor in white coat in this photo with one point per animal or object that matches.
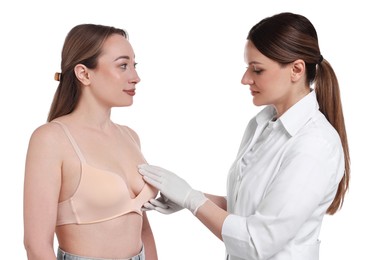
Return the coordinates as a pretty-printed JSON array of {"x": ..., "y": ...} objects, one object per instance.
[{"x": 293, "y": 163}]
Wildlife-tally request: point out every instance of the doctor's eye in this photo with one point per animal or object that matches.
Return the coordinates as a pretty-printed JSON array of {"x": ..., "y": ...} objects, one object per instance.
[{"x": 257, "y": 71}]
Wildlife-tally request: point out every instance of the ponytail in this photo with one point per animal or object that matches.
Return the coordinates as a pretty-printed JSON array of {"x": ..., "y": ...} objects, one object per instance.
[{"x": 328, "y": 95}]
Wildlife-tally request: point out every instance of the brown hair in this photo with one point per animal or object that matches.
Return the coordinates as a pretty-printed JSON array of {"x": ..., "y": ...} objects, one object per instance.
[
  {"x": 286, "y": 37},
  {"x": 82, "y": 45}
]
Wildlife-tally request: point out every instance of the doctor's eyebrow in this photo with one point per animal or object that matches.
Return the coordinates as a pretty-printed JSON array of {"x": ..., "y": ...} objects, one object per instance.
[
  {"x": 254, "y": 63},
  {"x": 123, "y": 57}
]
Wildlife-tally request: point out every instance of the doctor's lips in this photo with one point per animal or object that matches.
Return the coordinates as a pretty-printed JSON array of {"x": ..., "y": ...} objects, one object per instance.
[
  {"x": 253, "y": 92},
  {"x": 130, "y": 92}
]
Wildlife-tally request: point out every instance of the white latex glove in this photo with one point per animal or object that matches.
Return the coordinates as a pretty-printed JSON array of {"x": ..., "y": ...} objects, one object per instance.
[
  {"x": 162, "y": 205},
  {"x": 173, "y": 187}
]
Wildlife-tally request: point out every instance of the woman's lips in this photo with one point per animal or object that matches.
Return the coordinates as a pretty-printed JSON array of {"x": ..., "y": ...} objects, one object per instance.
[{"x": 130, "y": 92}]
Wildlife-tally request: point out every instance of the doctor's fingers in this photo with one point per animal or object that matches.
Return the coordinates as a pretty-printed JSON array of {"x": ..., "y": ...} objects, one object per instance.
[
  {"x": 159, "y": 202},
  {"x": 148, "y": 206},
  {"x": 150, "y": 174},
  {"x": 156, "y": 170},
  {"x": 153, "y": 181}
]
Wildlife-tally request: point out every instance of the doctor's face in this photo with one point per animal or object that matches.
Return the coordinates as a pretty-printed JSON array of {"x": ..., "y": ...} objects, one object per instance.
[{"x": 269, "y": 82}]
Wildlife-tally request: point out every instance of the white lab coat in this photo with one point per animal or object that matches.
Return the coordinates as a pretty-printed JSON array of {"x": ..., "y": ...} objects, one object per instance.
[{"x": 279, "y": 187}]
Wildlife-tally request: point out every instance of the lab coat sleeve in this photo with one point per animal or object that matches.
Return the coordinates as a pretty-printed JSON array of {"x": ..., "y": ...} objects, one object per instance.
[{"x": 308, "y": 171}]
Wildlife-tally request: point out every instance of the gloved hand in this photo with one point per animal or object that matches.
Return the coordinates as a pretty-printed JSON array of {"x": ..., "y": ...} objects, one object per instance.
[
  {"x": 162, "y": 204},
  {"x": 173, "y": 187}
]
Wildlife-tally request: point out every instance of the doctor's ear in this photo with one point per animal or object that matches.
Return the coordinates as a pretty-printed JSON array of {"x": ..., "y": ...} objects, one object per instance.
[
  {"x": 82, "y": 74},
  {"x": 298, "y": 70}
]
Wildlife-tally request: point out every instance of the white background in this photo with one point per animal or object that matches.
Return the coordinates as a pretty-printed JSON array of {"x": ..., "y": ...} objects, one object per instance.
[{"x": 190, "y": 109}]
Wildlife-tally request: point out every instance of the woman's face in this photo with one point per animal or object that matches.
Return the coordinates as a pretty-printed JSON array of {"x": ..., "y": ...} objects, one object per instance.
[
  {"x": 113, "y": 81},
  {"x": 270, "y": 83}
]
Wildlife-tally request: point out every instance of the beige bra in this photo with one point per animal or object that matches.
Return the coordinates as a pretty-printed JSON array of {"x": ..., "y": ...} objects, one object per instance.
[{"x": 101, "y": 195}]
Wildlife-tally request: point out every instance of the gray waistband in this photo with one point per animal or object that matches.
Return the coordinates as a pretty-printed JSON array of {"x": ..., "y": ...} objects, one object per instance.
[{"x": 62, "y": 255}]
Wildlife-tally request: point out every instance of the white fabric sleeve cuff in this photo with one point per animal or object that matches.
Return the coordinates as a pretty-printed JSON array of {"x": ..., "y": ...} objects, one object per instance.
[{"x": 236, "y": 237}]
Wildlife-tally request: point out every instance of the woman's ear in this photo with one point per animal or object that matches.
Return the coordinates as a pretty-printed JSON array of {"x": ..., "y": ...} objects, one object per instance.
[
  {"x": 82, "y": 74},
  {"x": 298, "y": 70}
]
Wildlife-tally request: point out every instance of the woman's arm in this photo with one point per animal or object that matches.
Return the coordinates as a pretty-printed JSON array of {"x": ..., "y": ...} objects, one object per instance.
[
  {"x": 148, "y": 239},
  {"x": 41, "y": 192}
]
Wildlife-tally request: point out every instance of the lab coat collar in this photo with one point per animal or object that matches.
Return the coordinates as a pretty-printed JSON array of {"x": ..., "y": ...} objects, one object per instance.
[
  {"x": 301, "y": 112},
  {"x": 265, "y": 115},
  {"x": 295, "y": 117}
]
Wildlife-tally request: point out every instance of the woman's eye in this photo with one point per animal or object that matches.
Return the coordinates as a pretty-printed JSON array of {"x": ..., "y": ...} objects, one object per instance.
[{"x": 124, "y": 66}]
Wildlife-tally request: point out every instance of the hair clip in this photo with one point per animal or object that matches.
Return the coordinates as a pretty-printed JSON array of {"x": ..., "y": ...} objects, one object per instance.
[{"x": 57, "y": 76}]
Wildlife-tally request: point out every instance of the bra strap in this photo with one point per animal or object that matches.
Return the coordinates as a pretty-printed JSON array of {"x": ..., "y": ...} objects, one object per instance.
[
  {"x": 127, "y": 133},
  {"x": 72, "y": 141}
]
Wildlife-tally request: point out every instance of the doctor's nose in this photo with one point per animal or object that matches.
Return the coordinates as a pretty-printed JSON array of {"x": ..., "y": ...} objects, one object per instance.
[{"x": 247, "y": 79}]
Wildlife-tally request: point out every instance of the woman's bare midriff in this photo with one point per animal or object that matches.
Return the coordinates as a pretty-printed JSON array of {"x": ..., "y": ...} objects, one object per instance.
[{"x": 116, "y": 238}]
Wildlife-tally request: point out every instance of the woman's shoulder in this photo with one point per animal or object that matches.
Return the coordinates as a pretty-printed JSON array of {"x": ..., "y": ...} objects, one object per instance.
[
  {"x": 47, "y": 141},
  {"x": 47, "y": 132}
]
